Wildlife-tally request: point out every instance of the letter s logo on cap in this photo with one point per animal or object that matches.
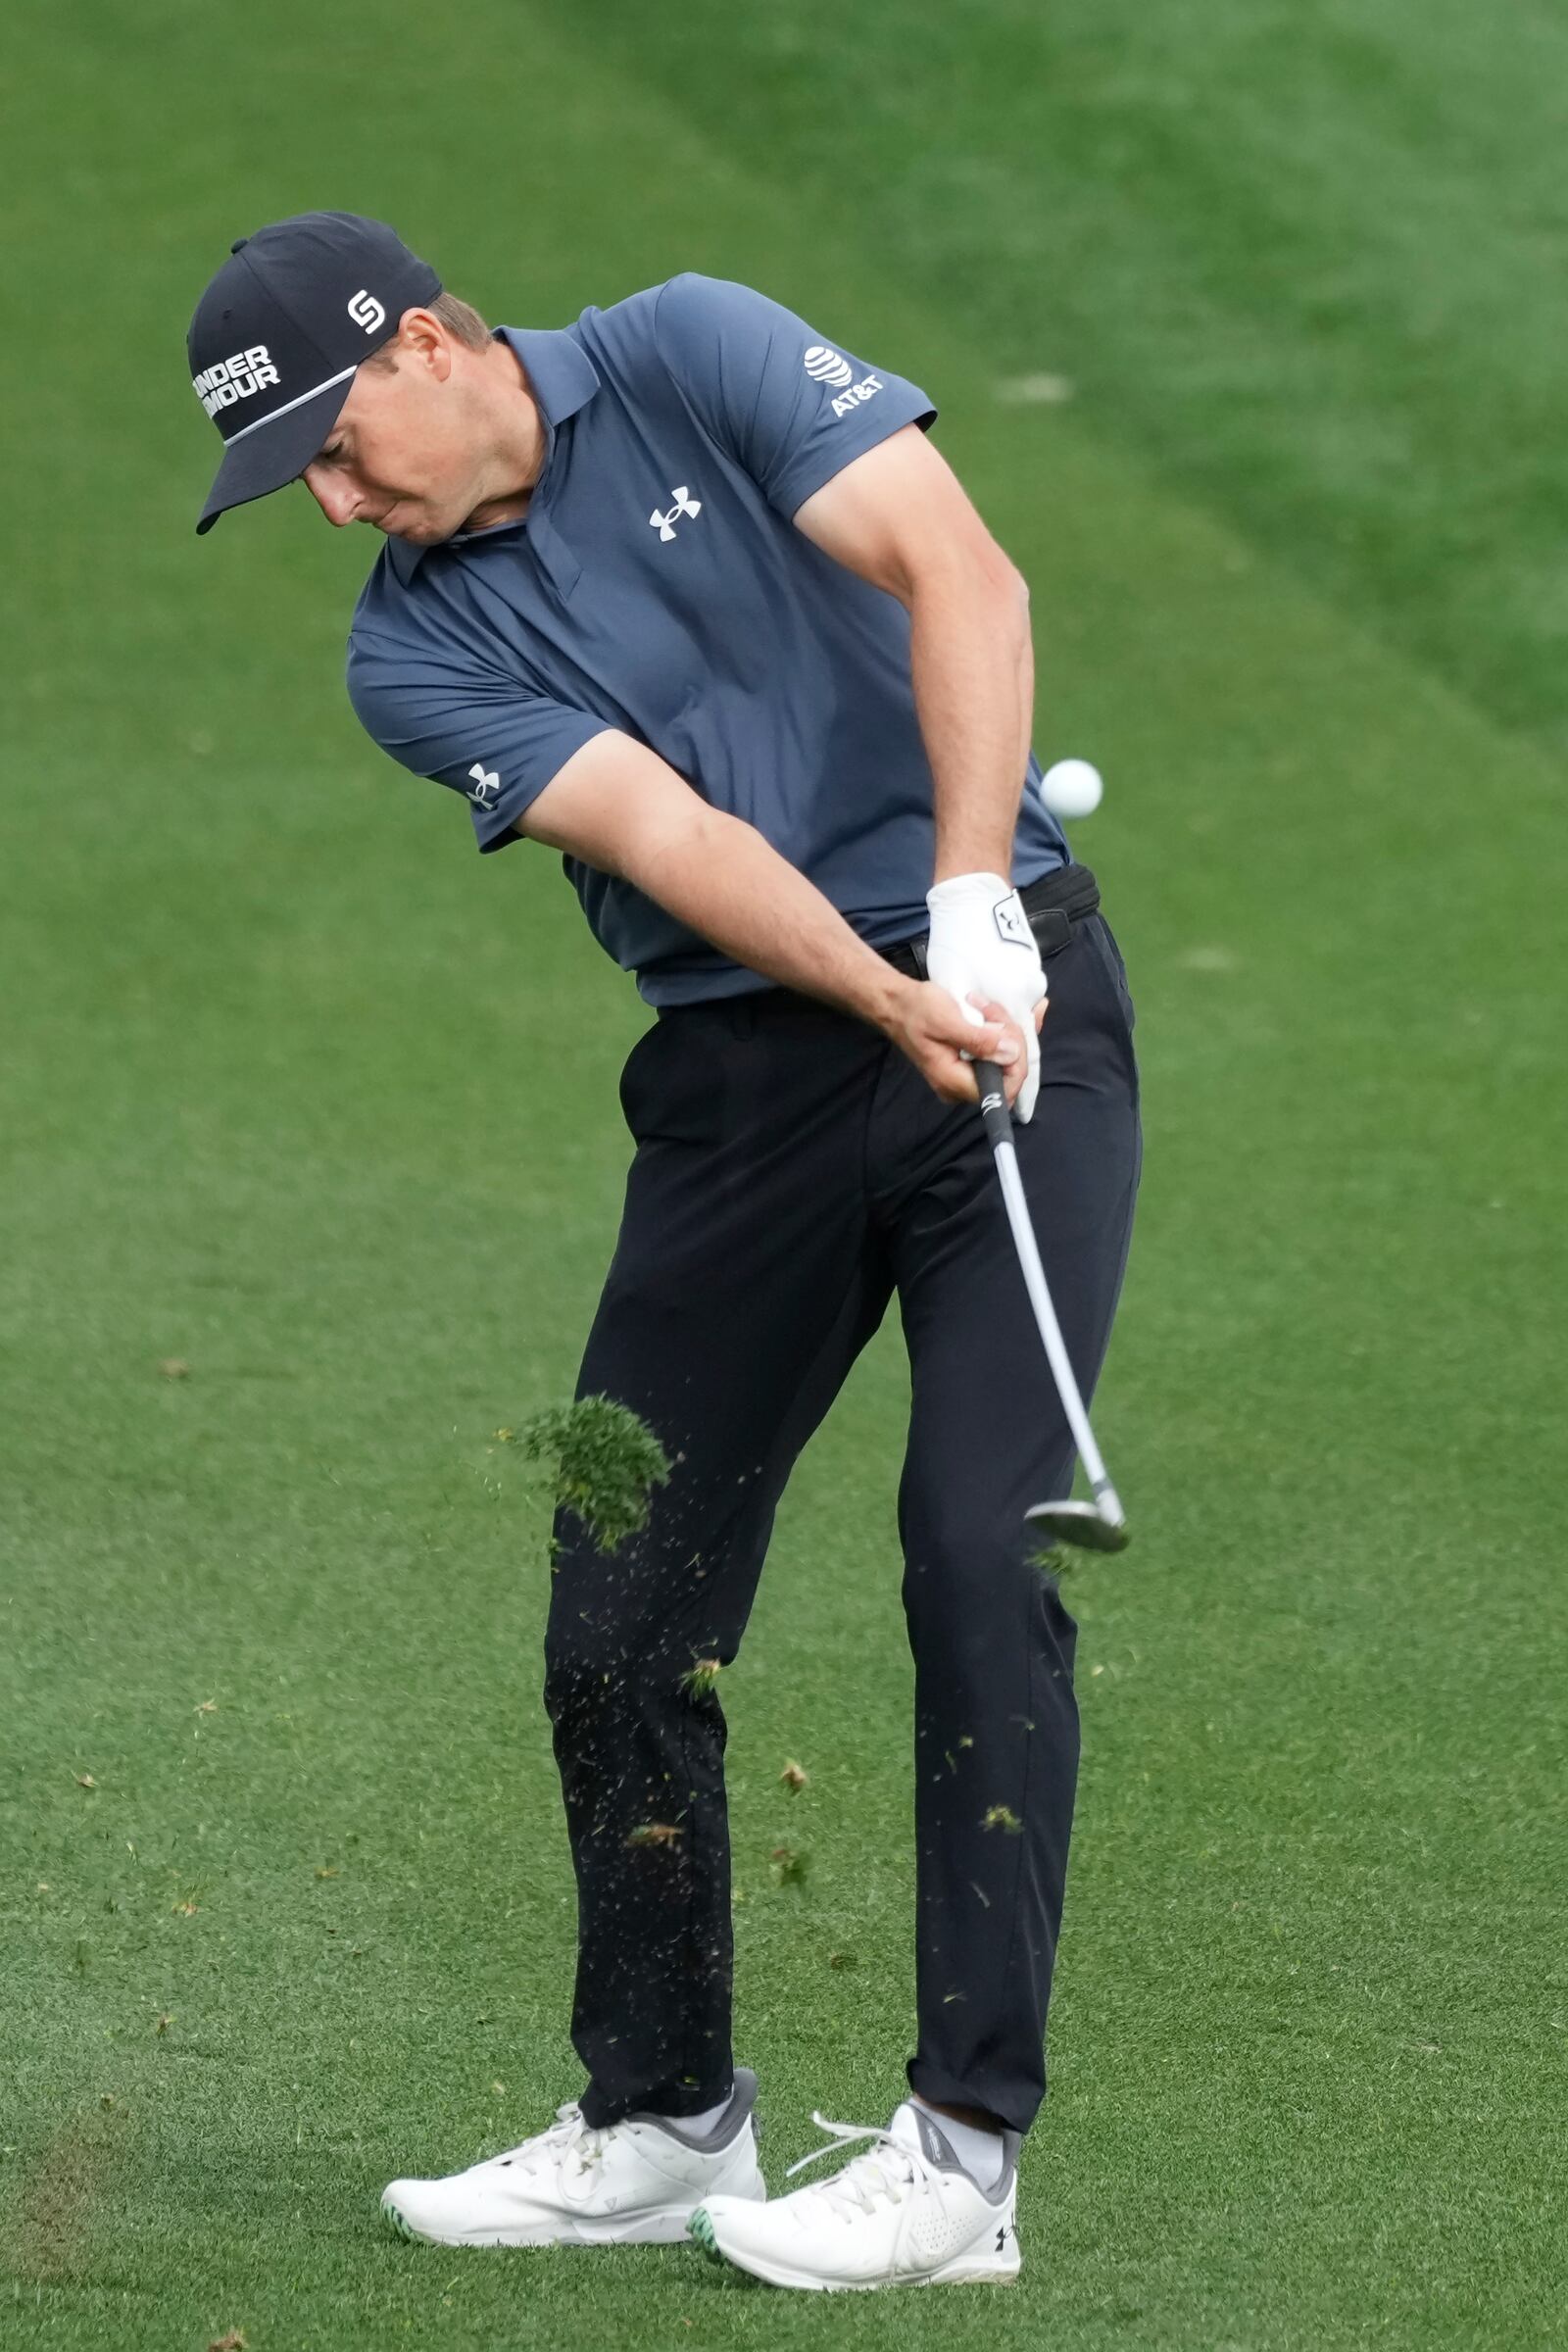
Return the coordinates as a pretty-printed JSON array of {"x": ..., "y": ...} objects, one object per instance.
[{"x": 366, "y": 311}]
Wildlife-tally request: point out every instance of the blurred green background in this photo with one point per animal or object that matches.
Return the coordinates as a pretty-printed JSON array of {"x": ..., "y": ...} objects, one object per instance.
[{"x": 1246, "y": 323}]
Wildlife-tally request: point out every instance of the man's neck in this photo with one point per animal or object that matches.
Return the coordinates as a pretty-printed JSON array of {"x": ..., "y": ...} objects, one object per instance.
[{"x": 519, "y": 440}]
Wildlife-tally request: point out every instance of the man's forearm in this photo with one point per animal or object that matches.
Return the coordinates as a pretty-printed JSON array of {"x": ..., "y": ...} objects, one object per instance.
[
  {"x": 972, "y": 665},
  {"x": 722, "y": 879}
]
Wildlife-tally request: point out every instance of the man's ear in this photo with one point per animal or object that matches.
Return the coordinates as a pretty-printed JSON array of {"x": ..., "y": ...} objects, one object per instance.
[{"x": 424, "y": 340}]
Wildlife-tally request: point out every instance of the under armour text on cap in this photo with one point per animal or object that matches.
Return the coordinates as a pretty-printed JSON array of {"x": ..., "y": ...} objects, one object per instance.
[{"x": 279, "y": 334}]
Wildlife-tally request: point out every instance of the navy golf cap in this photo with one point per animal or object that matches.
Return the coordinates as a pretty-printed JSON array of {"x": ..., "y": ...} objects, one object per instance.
[{"x": 279, "y": 334}]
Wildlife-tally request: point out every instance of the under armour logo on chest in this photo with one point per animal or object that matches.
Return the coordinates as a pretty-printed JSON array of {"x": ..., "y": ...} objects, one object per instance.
[{"x": 684, "y": 504}]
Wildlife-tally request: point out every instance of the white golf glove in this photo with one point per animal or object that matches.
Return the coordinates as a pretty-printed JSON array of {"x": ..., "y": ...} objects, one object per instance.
[{"x": 981, "y": 940}]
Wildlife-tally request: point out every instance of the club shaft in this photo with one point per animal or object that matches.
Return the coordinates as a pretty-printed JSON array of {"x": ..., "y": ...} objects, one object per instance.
[{"x": 998, "y": 1128}]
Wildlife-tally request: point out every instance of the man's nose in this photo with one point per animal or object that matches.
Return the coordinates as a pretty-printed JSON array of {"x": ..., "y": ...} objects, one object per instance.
[{"x": 337, "y": 498}]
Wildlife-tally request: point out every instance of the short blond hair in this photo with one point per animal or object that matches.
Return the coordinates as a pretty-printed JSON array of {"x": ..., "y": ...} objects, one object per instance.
[{"x": 461, "y": 320}]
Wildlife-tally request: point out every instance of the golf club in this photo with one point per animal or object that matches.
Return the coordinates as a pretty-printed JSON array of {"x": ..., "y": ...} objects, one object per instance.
[{"x": 1101, "y": 1525}]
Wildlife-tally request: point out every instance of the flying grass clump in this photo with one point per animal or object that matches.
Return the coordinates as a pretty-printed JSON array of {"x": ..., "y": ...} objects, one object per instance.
[
  {"x": 654, "y": 1833},
  {"x": 699, "y": 1679},
  {"x": 789, "y": 1865},
  {"x": 1002, "y": 1817},
  {"x": 606, "y": 1461}
]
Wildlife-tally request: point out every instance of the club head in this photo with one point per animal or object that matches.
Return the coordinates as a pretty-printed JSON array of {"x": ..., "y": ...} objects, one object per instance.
[{"x": 1082, "y": 1524}]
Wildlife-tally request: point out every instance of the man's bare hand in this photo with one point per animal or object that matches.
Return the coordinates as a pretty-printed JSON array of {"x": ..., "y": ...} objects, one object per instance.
[{"x": 926, "y": 1024}]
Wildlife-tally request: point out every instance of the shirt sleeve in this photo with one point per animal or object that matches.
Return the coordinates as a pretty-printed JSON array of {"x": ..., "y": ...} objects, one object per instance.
[
  {"x": 478, "y": 732},
  {"x": 787, "y": 405}
]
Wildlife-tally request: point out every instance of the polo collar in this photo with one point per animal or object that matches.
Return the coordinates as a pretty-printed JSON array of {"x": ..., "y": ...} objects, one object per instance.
[{"x": 563, "y": 379}]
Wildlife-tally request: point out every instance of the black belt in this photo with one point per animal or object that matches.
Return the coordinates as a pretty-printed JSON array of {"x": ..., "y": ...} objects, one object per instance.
[{"x": 1053, "y": 905}]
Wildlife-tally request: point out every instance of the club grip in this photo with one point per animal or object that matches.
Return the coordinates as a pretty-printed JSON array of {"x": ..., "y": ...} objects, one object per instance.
[{"x": 993, "y": 1103}]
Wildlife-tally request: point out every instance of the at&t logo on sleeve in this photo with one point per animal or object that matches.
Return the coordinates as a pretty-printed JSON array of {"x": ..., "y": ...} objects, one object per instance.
[{"x": 829, "y": 368}]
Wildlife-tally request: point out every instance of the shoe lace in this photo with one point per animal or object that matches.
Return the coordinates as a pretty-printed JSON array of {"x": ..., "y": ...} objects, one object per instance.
[
  {"x": 885, "y": 2170},
  {"x": 567, "y": 2141}
]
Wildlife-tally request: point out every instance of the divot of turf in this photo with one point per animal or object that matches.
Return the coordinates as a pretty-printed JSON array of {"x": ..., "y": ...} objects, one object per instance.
[{"x": 605, "y": 1462}]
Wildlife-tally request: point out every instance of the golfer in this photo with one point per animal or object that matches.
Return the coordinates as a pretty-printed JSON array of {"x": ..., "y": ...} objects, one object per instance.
[{"x": 685, "y": 591}]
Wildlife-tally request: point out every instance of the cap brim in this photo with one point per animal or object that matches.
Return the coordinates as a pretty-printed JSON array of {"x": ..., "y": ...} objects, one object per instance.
[{"x": 277, "y": 452}]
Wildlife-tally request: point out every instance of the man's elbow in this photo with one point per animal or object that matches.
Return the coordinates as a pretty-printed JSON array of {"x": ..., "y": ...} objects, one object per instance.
[
  {"x": 1007, "y": 583},
  {"x": 981, "y": 574},
  {"x": 680, "y": 836}
]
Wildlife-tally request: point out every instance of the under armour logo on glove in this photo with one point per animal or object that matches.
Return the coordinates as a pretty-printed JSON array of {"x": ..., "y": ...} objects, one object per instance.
[{"x": 1013, "y": 923}]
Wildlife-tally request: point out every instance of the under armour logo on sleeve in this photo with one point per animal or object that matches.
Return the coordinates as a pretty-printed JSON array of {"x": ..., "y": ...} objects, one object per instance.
[{"x": 486, "y": 788}]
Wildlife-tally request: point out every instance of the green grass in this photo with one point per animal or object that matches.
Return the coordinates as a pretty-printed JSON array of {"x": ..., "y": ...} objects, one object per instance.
[
  {"x": 300, "y": 1092},
  {"x": 1302, "y": 257}
]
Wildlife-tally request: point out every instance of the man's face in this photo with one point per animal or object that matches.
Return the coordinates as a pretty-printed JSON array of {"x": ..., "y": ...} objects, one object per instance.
[{"x": 408, "y": 451}]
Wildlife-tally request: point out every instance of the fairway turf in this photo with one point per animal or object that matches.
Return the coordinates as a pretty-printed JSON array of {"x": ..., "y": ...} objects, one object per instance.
[{"x": 298, "y": 1093}]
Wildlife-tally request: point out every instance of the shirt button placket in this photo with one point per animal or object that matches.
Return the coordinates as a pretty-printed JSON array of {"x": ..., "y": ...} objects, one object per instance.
[{"x": 554, "y": 556}]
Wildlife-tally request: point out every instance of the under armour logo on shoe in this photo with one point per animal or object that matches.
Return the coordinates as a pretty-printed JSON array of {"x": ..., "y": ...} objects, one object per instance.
[{"x": 684, "y": 504}]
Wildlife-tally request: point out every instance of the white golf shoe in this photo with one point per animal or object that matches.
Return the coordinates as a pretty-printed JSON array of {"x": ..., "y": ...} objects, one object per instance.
[
  {"x": 631, "y": 2183},
  {"x": 903, "y": 2213}
]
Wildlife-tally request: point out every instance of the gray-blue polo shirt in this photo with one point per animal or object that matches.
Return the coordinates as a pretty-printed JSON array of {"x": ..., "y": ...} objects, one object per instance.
[{"x": 655, "y": 586}]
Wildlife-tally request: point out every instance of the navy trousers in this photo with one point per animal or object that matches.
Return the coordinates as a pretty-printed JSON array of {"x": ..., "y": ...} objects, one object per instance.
[{"x": 792, "y": 1171}]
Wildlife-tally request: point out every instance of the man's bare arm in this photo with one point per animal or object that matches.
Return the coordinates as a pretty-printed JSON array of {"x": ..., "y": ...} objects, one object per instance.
[
  {"x": 622, "y": 810},
  {"x": 899, "y": 518}
]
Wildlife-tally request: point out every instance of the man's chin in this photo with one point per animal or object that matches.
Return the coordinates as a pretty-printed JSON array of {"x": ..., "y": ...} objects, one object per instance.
[{"x": 420, "y": 532}]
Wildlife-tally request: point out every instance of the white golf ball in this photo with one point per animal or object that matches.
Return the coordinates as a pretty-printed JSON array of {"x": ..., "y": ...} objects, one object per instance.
[{"x": 1072, "y": 788}]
